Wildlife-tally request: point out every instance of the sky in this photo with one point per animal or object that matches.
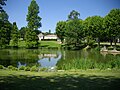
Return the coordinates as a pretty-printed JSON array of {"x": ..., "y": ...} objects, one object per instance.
[{"x": 52, "y": 11}]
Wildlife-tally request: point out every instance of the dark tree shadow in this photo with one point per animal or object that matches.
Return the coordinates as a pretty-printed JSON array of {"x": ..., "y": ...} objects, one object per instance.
[{"x": 66, "y": 82}]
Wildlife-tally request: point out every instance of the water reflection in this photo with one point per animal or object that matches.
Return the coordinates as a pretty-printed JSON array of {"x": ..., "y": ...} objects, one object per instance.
[
  {"x": 49, "y": 60},
  {"x": 21, "y": 64},
  {"x": 105, "y": 53}
]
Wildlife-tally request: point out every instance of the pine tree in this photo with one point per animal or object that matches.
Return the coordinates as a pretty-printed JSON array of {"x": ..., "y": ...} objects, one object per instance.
[
  {"x": 14, "y": 35},
  {"x": 33, "y": 24},
  {"x": 5, "y": 30}
]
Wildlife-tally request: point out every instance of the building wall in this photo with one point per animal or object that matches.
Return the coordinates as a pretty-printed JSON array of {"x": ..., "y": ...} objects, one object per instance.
[{"x": 41, "y": 37}]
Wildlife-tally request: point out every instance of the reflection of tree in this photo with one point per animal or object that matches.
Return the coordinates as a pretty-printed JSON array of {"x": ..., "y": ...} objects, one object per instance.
[
  {"x": 23, "y": 56},
  {"x": 5, "y": 60},
  {"x": 49, "y": 59}
]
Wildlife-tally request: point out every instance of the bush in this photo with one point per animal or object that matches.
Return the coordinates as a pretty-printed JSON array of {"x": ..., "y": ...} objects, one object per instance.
[
  {"x": 2, "y": 67},
  {"x": 97, "y": 48},
  {"x": 12, "y": 67},
  {"x": 22, "y": 68},
  {"x": 27, "y": 68},
  {"x": 34, "y": 68},
  {"x": 43, "y": 69}
]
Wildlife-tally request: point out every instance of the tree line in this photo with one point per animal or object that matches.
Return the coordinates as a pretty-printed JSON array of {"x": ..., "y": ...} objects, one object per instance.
[
  {"x": 9, "y": 33},
  {"x": 77, "y": 33}
]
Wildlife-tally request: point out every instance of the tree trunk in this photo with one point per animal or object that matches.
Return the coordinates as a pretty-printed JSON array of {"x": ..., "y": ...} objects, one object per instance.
[
  {"x": 115, "y": 41},
  {"x": 110, "y": 42},
  {"x": 99, "y": 42}
]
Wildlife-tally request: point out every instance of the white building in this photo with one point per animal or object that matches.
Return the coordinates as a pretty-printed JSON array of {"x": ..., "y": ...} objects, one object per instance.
[{"x": 47, "y": 37}]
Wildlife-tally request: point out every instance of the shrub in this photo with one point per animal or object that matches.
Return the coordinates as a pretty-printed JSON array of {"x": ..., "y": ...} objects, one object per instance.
[
  {"x": 12, "y": 67},
  {"x": 43, "y": 69},
  {"x": 27, "y": 68},
  {"x": 2, "y": 67},
  {"x": 34, "y": 68},
  {"x": 22, "y": 68}
]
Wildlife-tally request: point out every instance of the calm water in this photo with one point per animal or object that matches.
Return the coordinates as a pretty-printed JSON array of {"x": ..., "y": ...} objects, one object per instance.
[{"x": 50, "y": 58}]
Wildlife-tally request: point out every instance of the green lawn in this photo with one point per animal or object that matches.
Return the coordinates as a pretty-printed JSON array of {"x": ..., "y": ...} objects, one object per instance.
[
  {"x": 43, "y": 44},
  {"x": 66, "y": 80},
  {"x": 50, "y": 44}
]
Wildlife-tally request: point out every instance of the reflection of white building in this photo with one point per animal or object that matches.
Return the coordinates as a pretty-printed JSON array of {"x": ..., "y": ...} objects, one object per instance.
[
  {"x": 49, "y": 60},
  {"x": 47, "y": 55},
  {"x": 47, "y": 37}
]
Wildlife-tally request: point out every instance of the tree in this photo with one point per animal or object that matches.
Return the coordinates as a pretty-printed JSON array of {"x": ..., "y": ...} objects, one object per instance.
[
  {"x": 87, "y": 31},
  {"x": 112, "y": 24},
  {"x": 74, "y": 33},
  {"x": 2, "y": 3},
  {"x": 14, "y": 35},
  {"x": 74, "y": 30},
  {"x": 4, "y": 16},
  {"x": 5, "y": 30},
  {"x": 22, "y": 32},
  {"x": 73, "y": 15},
  {"x": 60, "y": 30},
  {"x": 33, "y": 24},
  {"x": 93, "y": 28}
]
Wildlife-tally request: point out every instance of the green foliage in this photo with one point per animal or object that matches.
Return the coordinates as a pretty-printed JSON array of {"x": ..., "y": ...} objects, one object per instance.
[
  {"x": 22, "y": 68},
  {"x": 60, "y": 30},
  {"x": 112, "y": 23},
  {"x": 33, "y": 24},
  {"x": 14, "y": 35},
  {"x": 74, "y": 33},
  {"x": 34, "y": 68},
  {"x": 5, "y": 30},
  {"x": 12, "y": 67},
  {"x": 93, "y": 28},
  {"x": 22, "y": 33},
  {"x": 3, "y": 16},
  {"x": 2, "y": 3},
  {"x": 27, "y": 68},
  {"x": 43, "y": 69},
  {"x": 32, "y": 17},
  {"x": 78, "y": 33},
  {"x": 2, "y": 67},
  {"x": 73, "y": 15},
  {"x": 89, "y": 64}
]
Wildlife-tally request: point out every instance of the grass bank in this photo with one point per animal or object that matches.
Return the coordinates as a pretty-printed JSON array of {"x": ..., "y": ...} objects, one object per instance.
[
  {"x": 88, "y": 64},
  {"x": 64, "y": 80},
  {"x": 50, "y": 44},
  {"x": 42, "y": 44}
]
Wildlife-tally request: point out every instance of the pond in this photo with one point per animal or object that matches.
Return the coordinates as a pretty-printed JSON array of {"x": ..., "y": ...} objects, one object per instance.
[{"x": 50, "y": 58}]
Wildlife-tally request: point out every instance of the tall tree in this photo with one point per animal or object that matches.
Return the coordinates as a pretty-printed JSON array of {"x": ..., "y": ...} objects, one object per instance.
[
  {"x": 60, "y": 30},
  {"x": 87, "y": 31},
  {"x": 33, "y": 24},
  {"x": 74, "y": 33},
  {"x": 14, "y": 35},
  {"x": 73, "y": 15},
  {"x": 93, "y": 28},
  {"x": 5, "y": 30},
  {"x": 22, "y": 32},
  {"x": 4, "y": 16},
  {"x": 74, "y": 30},
  {"x": 2, "y": 3},
  {"x": 112, "y": 24}
]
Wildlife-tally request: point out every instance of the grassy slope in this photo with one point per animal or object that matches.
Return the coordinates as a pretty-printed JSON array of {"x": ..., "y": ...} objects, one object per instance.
[
  {"x": 45, "y": 44},
  {"x": 48, "y": 44},
  {"x": 70, "y": 80}
]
